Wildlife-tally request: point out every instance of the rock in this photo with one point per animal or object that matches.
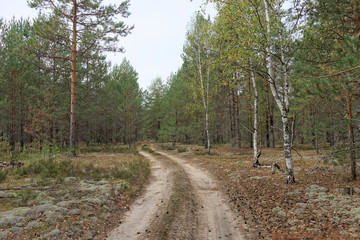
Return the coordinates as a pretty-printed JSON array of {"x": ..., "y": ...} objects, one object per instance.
[
  {"x": 33, "y": 224},
  {"x": 74, "y": 212},
  {"x": 9, "y": 221},
  {"x": 54, "y": 233},
  {"x": 4, "y": 235}
]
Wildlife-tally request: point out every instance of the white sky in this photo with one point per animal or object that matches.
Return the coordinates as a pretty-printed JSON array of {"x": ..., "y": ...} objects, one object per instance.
[{"x": 155, "y": 45}]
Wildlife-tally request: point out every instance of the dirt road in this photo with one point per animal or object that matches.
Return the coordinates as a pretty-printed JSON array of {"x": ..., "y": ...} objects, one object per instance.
[{"x": 180, "y": 202}]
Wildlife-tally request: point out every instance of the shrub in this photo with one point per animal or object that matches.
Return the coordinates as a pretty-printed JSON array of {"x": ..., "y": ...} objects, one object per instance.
[{"x": 3, "y": 175}]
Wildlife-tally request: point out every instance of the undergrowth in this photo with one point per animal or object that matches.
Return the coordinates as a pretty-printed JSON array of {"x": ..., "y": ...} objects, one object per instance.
[
  {"x": 149, "y": 150},
  {"x": 45, "y": 167}
]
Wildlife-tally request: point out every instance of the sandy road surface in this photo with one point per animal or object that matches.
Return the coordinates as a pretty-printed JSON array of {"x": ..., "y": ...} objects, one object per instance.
[{"x": 180, "y": 202}]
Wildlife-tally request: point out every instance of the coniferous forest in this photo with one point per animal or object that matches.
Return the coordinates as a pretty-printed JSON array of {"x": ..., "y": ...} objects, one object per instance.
[
  {"x": 258, "y": 75},
  {"x": 261, "y": 74}
]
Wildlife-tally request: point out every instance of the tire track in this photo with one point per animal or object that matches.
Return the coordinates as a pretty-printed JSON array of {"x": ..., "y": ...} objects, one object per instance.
[{"x": 180, "y": 202}]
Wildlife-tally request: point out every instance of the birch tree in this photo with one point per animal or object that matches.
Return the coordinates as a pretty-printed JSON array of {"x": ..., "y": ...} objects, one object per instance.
[
  {"x": 281, "y": 93},
  {"x": 197, "y": 49}
]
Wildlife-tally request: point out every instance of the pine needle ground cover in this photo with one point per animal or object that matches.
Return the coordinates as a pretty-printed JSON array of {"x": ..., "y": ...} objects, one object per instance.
[
  {"x": 323, "y": 204},
  {"x": 55, "y": 197}
]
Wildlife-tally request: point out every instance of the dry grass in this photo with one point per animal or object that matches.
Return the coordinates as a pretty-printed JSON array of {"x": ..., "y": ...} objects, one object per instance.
[{"x": 107, "y": 160}]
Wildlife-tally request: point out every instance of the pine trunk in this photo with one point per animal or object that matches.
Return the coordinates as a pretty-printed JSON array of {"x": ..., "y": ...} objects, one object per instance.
[
  {"x": 351, "y": 138},
  {"x": 73, "y": 83}
]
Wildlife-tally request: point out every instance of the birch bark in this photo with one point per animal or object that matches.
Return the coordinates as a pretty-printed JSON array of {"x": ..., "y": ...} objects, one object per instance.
[
  {"x": 205, "y": 94},
  {"x": 255, "y": 133},
  {"x": 282, "y": 102}
]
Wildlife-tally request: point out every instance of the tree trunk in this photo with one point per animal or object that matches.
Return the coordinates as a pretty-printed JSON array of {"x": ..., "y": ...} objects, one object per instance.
[
  {"x": 207, "y": 115},
  {"x": 250, "y": 120},
  {"x": 351, "y": 138},
  {"x": 331, "y": 132},
  {"x": 237, "y": 119},
  {"x": 73, "y": 83},
  {"x": 255, "y": 133},
  {"x": 205, "y": 97},
  {"x": 12, "y": 124},
  {"x": 231, "y": 110},
  {"x": 22, "y": 120},
  {"x": 283, "y": 103}
]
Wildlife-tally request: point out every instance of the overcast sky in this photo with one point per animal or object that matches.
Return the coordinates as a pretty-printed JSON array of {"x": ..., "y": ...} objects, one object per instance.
[{"x": 155, "y": 45}]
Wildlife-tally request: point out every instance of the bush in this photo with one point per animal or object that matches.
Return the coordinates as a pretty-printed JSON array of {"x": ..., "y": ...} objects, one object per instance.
[
  {"x": 3, "y": 175},
  {"x": 25, "y": 196}
]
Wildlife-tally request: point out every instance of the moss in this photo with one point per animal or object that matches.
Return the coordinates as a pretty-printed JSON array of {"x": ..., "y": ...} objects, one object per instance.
[
  {"x": 301, "y": 205},
  {"x": 282, "y": 213},
  {"x": 277, "y": 209}
]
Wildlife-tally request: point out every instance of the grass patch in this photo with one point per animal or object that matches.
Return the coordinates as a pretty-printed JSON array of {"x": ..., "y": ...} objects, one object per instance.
[
  {"x": 26, "y": 195},
  {"x": 170, "y": 147},
  {"x": 116, "y": 149},
  {"x": 3, "y": 175},
  {"x": 149, "y": 150}
]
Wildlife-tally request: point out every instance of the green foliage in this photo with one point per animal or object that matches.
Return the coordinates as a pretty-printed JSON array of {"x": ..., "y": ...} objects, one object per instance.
[
  {"x": 26, "y": 195},
  {"x": 3, "y": 175},
  {"x": 107, "y": 148}
]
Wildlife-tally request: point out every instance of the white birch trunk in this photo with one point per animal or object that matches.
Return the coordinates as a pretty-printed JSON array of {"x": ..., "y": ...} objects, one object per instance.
[
  {"x": 282, "y": 103},
  {"x": 255, "y": 133},
  {"x": 205, "y": 101}
]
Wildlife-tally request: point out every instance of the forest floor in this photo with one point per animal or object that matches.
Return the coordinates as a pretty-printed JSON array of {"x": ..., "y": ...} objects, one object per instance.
[
  {"x": 77, "y": 198},
  {"x": 323, "y": 204},
  {"x": 187, "y": 195}
]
